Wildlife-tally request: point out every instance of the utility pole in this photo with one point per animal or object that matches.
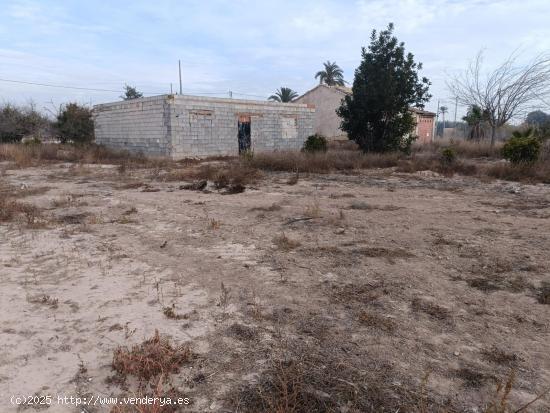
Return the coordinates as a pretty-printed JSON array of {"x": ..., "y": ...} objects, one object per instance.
[
  {"x": 171, "y": 89},
  {"x": 436, "y": 119},
  {"x": 179, "y": 65},
  {"x": 230, "y": 95},
  {"x": 456, "y": 105},
  {"x": 454, "y": 126}
]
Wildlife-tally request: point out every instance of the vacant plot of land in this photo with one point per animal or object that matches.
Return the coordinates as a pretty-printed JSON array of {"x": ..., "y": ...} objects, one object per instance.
[{"x": 365, "y": 292}]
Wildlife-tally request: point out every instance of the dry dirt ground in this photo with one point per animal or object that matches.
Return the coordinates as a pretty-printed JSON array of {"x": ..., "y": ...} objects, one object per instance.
[{"x": 391, "y": 276}]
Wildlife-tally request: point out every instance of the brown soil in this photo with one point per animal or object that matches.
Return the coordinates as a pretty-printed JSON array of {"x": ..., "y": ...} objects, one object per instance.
[{"x": 446, "y": 276}]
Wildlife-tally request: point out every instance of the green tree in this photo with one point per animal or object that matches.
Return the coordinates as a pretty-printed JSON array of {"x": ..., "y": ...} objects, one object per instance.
[
  {"x": 475, "y": 118},
  {"x": 284, "y": 95},
  {"x": 386, "y": 84},
  {"x": 331, "y": 75},
  {"x": 130, "y": 92},
  {"x": 537, "y": 118},
  {"x": 75, "y": 124}
]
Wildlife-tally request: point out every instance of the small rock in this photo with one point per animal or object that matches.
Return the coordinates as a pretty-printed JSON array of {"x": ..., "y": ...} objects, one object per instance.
[{"x": 456, "y": 353}]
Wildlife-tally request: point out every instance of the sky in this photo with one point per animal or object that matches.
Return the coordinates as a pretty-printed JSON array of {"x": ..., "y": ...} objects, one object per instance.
[{"x": 249, "y": 47}]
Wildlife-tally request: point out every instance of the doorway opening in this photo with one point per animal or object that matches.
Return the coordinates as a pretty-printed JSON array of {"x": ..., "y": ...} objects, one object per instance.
[{"x": 244, "y": 134}]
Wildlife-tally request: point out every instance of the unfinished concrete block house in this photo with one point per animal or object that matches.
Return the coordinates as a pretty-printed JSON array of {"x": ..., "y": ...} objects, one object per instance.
[{"x": 181, "y": 126}]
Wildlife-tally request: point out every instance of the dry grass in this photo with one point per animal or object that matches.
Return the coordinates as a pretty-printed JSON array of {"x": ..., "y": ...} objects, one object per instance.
[
  {"x": 539, "y": 172},
  {"x": 214, "y": 224},
  {"x": 33, "y": 155},
  {"x": 221, "y": 174},
  {"x": 463, "y": 148},
  {"x": 45, "y": 300},
  {"x": 301, "y": 378},
  {"x": 543, "y": 295},
  {"x": 285, "y": 243},
  {"x": 11, "y": 210},
  {"x": 499, "y": 356},
  {"x": 337, "y": 160},
  {"x": 375, "y": 320},
  {"x": 432, "y": 309},
  {"x": 170, "y": 313},
  {"x": 150, "y": 359}
]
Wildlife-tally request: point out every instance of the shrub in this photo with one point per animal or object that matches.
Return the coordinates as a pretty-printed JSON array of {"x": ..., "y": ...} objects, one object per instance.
[
  {"x": 17, "y": 123},
  {"x": 521, "y": 149},
  {"x": 75, "y": 124},
  {"x": 315, "y": 143},
  {"x": 448, "y": 156}
]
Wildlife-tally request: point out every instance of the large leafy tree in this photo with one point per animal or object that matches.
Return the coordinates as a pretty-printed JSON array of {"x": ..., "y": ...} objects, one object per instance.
[
  {"x": 537, "y": 118},
  {"x": 75, "y": 124},
  {"x": 386, "y": 84},
  {"x": 284, "y": 95},
  {"x": 331, "y": 75},
  {"x": 130, "y": 92}
]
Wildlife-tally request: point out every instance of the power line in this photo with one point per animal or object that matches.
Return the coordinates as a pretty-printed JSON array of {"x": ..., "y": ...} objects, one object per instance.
[
  {"x": 118, "y": 90},
  {"x": 59, "y": 86}
]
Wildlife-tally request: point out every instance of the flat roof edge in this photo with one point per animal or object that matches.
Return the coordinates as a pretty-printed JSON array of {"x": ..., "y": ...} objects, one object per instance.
[{"x": 186, "y": 98}]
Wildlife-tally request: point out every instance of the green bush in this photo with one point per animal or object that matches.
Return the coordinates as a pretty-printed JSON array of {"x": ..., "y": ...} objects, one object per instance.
[
  {"x": 315, "y": 143},
  {"x": 18, "y": 122},
  {"x": 521, "y": 149},
  {"x": 75, "y": 124},
  {"x": 448, "y": 156}
]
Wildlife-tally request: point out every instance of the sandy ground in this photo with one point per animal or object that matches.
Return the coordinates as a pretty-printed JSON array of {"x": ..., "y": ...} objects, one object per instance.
[{"x": 449, "y": 269}]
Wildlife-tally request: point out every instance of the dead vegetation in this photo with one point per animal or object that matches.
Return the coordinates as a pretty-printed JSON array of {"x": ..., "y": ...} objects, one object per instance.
[
  {"x": 170, "y": 313},
  {"x": 543, "y": 294},
  {"x": 35, "y": 155},
  {"x": 301, "y": 378},
  {"x": 435, "y": 310},
  {"x": 154, "y": 357},
  {"x": 45, "y": 300},
  {"x": 31, "y": 215},
  {"x": 285, "y": 243}
]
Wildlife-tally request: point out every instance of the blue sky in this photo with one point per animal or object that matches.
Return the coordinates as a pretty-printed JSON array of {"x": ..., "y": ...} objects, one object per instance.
[{"x": 250, "y": 47}]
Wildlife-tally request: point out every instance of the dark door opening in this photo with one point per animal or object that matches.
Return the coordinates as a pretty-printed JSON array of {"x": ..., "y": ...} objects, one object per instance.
[{"x": 244, "y": 134}]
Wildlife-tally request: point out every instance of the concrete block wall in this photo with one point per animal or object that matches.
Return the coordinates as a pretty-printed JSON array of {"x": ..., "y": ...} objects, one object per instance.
[
  {"x": 208, "y": 126},
  {"x": 183, "y": 126},
  {"x": 140, "y": 125}
]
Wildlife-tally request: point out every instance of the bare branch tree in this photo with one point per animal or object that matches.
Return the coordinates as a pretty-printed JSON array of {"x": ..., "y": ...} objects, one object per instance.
[{"x": 508, "y": 91}]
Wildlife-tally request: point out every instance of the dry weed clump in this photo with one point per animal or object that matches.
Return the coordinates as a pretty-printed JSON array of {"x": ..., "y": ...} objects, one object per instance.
[
  {"x": 150, "y": 359},
  {"x": 231, "y": 174},
  {"x": 31, "y": 214},
  {"x": 499, "y": 356},
  {"x": 302, "y": 378},
  {"x": 543, "y": 295},
  {"x": 45, "y": 300},
  {"x": 375, "y": 320},
  {"x": 432, "y": 309},
  {"x": 170, "y": 313},
  {"x": 285, "y": 243}
]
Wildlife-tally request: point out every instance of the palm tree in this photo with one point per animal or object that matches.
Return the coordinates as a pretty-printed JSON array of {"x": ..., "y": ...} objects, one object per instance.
[
  {"x": 475, "y": 117},
  {"x": 332, "y": 75},
  {"x": 284, "y": 95}
]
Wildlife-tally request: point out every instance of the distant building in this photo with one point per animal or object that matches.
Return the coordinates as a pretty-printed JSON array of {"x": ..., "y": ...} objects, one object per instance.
[
  {"x": 424, "y": 125},
  {"x": 180, "y": 126},
  {"x": 327, "y": 99}
]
